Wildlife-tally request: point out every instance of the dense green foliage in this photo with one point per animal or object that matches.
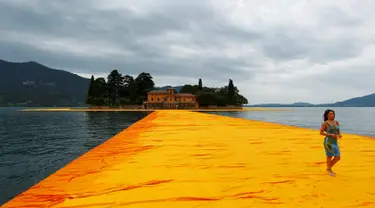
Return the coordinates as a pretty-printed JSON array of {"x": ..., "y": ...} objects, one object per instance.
[
  {"x": 32, "y": 84},
  {"x": 227, "y": 95},
  {"x": 200, "y": 85},
  {"x": 125, "y": 90},
  {"x": 119, "y": 89}
]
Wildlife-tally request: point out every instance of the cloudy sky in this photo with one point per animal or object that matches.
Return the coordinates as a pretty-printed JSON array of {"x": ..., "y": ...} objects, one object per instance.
[{"x": 286, "y": 51}]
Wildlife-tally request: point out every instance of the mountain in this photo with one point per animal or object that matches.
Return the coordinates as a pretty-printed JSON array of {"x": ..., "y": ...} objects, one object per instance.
[
  {"x": 298, "y": 104},
  {"x": 33, "y": 84},
  {"x": 364, "y": 101}
]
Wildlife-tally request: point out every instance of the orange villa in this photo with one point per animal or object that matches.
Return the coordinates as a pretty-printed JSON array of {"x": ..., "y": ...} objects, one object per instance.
[{"x": 160, "y": 99}]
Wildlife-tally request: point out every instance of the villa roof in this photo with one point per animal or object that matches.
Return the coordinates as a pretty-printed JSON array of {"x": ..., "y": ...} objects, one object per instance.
[
  {"x": 166, "y": 92},
  {"x": 158, "y": 92},
  {"x": 184, "y": 94}
]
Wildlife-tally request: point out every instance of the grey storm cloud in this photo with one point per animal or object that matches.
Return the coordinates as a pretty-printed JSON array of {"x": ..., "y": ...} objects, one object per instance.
[{"x": 275, "y": 52}]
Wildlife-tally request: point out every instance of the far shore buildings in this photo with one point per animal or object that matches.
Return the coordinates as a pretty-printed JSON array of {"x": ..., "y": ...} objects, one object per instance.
[{"x": 169, "y": 99}]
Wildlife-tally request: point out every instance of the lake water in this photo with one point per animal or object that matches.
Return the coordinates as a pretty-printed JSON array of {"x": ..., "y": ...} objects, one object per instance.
[
  {"x": 34, "y": 145},
  {"x": 352, "y": 120}
]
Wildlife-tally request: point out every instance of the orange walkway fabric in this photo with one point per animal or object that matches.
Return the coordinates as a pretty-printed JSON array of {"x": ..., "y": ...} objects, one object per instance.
[{"x": 185, "y": 159}]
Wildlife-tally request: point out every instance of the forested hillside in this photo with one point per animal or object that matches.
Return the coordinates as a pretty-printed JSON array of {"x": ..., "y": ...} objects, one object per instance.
[{"x": 33, "y": 84}]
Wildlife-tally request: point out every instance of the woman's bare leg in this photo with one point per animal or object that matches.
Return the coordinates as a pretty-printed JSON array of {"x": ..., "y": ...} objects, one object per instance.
[
  {"x": 329, "y": 163},
  {"x": 335, "y": 160},
  {"x": 329, "y": 166}
]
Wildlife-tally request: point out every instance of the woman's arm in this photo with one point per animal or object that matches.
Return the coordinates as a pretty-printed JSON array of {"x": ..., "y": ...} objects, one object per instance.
[{"x": 338, "y": 124}]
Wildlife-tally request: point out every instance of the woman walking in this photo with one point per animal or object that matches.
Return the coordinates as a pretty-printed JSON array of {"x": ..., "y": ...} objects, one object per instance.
[{"x": 331, "y": 130}]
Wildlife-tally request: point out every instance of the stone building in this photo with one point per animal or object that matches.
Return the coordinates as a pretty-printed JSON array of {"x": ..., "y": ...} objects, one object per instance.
[{"x": 169, "y": 99}]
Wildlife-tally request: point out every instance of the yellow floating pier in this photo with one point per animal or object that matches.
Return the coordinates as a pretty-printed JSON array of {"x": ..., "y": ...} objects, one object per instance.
[{"x": 183, "y": 159}]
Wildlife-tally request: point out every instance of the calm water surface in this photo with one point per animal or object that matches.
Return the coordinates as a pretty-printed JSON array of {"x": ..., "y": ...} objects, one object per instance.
[
  {"x": 352, "y": 120},
  {"x": 34, "y": 145}
]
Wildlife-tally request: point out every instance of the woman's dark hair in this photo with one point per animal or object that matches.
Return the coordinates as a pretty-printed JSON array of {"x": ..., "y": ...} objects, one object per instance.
[{"x": 325, "y": 116}]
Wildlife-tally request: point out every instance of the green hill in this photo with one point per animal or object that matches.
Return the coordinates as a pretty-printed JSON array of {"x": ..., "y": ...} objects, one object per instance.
[
  {"x": 33, "y": 84},
  {"x": 363, "y": 101}
]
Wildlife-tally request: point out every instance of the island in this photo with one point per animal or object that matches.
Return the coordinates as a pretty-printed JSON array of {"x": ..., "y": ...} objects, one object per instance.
[{"x": 124, "y": 91}]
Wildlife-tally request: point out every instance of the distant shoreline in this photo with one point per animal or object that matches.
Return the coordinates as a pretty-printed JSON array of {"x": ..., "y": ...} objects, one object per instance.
[
  {"x": 143, "y": 110},
  {"x": 317, "y": 106},
  {"x": 255, "y": 106}
]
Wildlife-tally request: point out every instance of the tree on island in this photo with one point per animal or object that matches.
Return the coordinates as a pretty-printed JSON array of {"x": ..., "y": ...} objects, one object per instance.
[
  {"x": 121, "y": 90},
  {"x": 231, "y": 93},
  {"x": 99, "y": 94},
  {"x": 90, "y": 90},
  {"x": 227, "y": 95},
  {"x": 114, "y": 85},
  {"x": 125, "y": 91}
]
